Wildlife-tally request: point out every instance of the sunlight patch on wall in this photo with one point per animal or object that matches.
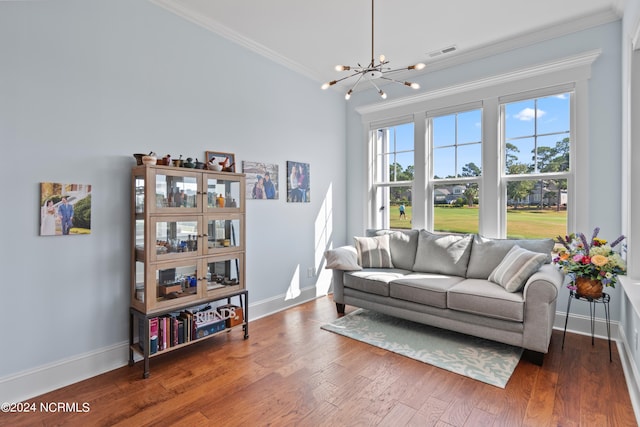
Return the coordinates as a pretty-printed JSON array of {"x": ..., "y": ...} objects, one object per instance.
[
  {"x": 323, "y": 236},
  {"x": 294, "y": 286}
]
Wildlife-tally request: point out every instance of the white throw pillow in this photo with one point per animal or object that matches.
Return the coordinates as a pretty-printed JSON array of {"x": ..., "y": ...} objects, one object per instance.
[
  {"x": 374, "y": 252},
  {"x": 516, "y": 268},
  {"x": 342, "y": 258}
]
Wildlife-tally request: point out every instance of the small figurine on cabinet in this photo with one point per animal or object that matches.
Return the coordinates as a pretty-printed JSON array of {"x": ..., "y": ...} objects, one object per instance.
[
  {"x": 213, "y": 166},
  {"x": 220, "y": 201},
  {"x": 224, "y": 164}
]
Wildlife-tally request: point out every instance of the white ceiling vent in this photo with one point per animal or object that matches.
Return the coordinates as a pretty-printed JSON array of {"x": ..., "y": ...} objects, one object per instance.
[{"x": 448, "y": 49}]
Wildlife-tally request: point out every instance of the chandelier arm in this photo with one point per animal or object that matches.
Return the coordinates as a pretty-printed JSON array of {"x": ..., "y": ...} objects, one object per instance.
[
  {"x": 395, "y": 70},
  {"x": 350, "y": 91},
  {"x": 374, "y": 85},
  {"x": 357, "y": 81},
  {"x": 349, "y": 76},
  {"x": 392, "y": 80},
  {"x": 405, "y": 83}
]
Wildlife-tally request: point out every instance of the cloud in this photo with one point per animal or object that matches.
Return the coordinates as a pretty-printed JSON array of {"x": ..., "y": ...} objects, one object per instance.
[{"x": 528, "y": 114}]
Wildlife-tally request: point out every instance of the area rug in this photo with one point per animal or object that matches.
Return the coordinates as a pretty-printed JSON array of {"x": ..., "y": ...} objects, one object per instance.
[{"x": 483, "y": 360}]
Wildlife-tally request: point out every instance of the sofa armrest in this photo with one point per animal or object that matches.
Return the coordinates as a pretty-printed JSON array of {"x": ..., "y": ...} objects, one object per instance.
[
  {"x": 540, "y": 295},
  {"x": 342, "y": 258},
  {"x": 544, "y": 284}
]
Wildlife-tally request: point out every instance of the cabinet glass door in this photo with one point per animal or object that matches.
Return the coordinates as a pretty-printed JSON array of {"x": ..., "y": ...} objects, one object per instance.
[
  {"x": 224, "y": 233},
  {"x": 177, "y": 191},
  {"x": 176, "y": 283},
  {"x": 175, "y": 237},
  {"x": 224, "y": 274},
  {"x": 223, "y": 192}
]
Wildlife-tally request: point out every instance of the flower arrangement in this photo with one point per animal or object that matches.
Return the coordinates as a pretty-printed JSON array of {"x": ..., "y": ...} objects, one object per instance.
[{"x": 592, "y": 260}]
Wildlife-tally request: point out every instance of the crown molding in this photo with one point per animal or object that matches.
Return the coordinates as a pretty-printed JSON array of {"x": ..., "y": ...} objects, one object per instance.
[{"x": 229, "y": 34}]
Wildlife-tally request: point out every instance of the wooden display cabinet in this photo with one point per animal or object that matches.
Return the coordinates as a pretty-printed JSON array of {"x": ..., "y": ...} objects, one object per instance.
[{"x": 188, "y": 246}]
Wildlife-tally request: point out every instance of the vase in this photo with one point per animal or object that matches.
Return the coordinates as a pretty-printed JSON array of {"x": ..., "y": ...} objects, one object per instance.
[{"x": 590, "y": 288}]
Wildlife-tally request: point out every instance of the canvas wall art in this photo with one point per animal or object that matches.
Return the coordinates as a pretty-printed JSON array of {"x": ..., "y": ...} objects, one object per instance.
[
  {"x": 65, "y": 209},
  {"x": 262, "y": 180},
  {"x": 298, "y": 182}
]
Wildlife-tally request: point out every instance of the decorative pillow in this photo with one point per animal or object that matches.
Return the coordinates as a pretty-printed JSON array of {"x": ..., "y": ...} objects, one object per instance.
[
  {"x": 487, "y": 253},
  {"x": 403, "y": 245},
  {"x": 342, "y": 258},
  {"x": 443, "y": 253},
  {"x": 374, "y": 252},
  {"x": 516, "y": 268}
]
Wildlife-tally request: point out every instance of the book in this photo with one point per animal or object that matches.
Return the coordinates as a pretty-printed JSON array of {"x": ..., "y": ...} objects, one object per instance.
[{"x": 153, "y": 335}]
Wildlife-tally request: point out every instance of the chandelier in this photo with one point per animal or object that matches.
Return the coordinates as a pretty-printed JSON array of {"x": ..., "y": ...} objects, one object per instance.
[{"x": 373, "y": 71}]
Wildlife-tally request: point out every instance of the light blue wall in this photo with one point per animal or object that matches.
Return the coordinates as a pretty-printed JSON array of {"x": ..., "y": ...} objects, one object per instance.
[
  {"x": 604, "y": 127},
  {"x": 85, "y": 84}
]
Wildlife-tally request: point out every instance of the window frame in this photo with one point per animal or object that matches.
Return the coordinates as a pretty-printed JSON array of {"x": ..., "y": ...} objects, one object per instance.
[
  {"x": 522, "y": 83},
  {"x": 374, "y": 219},
  {"x": 569, "y": 175}
]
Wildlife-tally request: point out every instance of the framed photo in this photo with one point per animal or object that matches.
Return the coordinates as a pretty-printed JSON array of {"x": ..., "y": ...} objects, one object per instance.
[
  {"x": 227, "y": 161},
  {"x": 298, "y": 182},
  {"x": 65, "y": 209},
  {"x": 262, "y": 180}
]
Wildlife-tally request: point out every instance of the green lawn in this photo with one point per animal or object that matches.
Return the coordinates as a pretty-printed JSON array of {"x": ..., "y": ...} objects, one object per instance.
[{"x": 521, "y": 223}]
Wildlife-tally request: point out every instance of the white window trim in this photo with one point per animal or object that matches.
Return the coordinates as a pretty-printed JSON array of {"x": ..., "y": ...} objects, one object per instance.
[{"x": 575, "y": 70}]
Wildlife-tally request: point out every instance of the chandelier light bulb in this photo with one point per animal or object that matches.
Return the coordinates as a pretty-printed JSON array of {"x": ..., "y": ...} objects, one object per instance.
[
  {"x": 342, "y": 68},
  {"x": 412, "y": 85},
  {"x": 418, "y": 66},
  {"x": 382, "y": 58},
  {"x": 382, "y": 94},
  {"x": 326, "y": 85},
  {"x": 347, "y": 96}
]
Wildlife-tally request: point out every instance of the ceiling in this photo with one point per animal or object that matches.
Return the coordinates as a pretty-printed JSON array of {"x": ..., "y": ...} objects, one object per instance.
[{"x": 311, "y": 37}]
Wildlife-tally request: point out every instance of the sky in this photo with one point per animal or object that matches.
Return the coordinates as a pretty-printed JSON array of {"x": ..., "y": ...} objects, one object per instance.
[{"x": 547, "y": 117}]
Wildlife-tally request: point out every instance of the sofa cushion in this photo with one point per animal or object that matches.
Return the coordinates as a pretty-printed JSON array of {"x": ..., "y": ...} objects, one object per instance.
[
  {"x": 516, "y": 267},
  {"x": 372, "y": 280},
  {"x": 403, "y": 245},
  {"x": 342, "y": 258},
  {"x": 486, "y": 298},
  {"x": 424, "y": 288},
  {"x": 487, "y": 253},
  {"x": 443, "y": 253},
  {"x": 373, "y": 252}
]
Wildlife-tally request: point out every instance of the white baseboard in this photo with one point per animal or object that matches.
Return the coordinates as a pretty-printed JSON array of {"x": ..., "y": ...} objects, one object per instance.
[
  {"x": 43, "y": 379},
  {"x": 631, "y": 374},
  {"x": 579, "y": 324}
]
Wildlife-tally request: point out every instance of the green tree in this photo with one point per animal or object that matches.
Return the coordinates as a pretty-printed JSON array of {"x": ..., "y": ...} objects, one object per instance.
[
  {"x": 518, "y": 190},
  {"x": 470, "y": 169},
  {"x": 555, "y": 159},
  {"x": 82, "y": 213}
]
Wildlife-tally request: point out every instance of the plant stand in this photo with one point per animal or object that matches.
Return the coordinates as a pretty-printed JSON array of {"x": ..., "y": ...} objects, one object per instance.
[{"x": 604, "y": 300}]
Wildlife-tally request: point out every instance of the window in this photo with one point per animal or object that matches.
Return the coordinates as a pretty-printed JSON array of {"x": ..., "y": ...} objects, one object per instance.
[
  {"x": 393, "y": 175},
  {"x": 508, "y": 149},
  {"x": 456, "y": 141},
  {"x": 537, "y": 135}
]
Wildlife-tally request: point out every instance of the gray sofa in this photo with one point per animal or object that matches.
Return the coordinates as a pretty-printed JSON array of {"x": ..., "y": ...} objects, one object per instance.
[{"x": 498, "y": 289}]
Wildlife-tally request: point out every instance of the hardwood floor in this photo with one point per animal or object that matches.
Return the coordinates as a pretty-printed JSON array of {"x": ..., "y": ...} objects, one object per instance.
[{"x": 290, "y": 372}]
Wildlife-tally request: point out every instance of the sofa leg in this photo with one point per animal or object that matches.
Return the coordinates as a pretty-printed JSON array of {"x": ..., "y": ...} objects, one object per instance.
[
  {"x": 534, "y": 357},
  {"x": 340, "y": 308}
]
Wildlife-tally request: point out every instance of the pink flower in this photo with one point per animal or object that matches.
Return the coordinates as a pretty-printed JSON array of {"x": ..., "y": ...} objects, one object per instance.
[{"x": 578, "y": 257}]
